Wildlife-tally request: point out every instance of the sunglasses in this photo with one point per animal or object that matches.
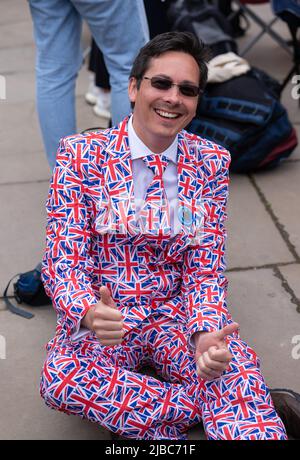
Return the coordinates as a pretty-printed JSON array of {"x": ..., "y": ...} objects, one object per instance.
[{"x": 164, "y": 84}]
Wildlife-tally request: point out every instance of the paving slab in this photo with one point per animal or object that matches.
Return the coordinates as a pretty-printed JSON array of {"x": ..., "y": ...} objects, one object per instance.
[
  {"x": 12, "y": 11},
  {"x": 22, "y": 228},
  {"x": 268, "y": 322},
  {"x": 18, "y": 35},
  {"x": 281, "y": 189},
  {"x": 253, "y": 240},
  {"x": 14, "y": 116},
  {"x": 291, "y": 273},
  {"x": 23, "y": 166},
  {"x": 20, "y": 59},
  {"x": 17, "y": 93}
]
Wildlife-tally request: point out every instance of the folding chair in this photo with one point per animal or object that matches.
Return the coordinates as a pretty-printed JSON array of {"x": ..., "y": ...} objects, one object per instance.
[
  {"x": 289, "y": 11},
  {"x": 266, "y": 27}
]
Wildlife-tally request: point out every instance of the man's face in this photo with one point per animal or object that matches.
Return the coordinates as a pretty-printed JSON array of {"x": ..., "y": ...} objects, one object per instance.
[{"x": 160, "y": 114}]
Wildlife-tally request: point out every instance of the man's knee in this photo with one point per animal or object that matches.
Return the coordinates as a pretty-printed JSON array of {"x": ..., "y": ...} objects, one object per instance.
[{"x": 57, "y": 378}]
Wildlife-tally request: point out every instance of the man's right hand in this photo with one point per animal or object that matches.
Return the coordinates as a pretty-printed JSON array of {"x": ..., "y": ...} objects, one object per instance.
[{"x": 105, "y": 320}]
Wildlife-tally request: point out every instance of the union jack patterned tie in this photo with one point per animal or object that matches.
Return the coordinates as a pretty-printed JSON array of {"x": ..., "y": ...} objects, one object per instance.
[{"x": 155, "y": 213}]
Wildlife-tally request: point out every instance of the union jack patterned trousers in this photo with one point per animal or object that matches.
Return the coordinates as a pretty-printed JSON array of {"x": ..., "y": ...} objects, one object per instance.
[{"x": 103, "y": 385}]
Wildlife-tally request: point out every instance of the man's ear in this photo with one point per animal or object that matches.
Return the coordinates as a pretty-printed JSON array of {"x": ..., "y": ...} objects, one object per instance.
[{"x": 132, "y": 89}]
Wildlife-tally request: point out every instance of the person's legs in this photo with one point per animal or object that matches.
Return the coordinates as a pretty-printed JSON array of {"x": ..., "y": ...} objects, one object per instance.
[
  {"x": 235, "y": 406},
  {"x": 103, "y": 385},
  {"x": 119, "y": 29},
  {"x": 101, "y": 74},
  {"x": 57, "y": 30},
  {"x": 238, "y": 405}
]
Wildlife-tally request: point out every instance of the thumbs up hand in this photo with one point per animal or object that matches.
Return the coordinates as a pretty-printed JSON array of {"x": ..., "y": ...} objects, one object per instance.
[
  {"x": 212, "y": 353},
  {"x": 105, "y": 320}
]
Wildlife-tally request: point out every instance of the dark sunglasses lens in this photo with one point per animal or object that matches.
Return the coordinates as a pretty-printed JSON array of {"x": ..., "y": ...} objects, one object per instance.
[
  {"x": 161, "y": 83},
  {"x": 164, "y": 84},
  {"x": 189, "y": 90}
]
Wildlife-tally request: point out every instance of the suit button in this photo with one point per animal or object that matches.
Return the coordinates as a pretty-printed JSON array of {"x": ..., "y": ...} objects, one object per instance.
[{"x": 185, "y": 216}]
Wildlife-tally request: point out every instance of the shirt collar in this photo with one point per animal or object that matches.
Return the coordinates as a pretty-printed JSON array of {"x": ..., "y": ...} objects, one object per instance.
[{"x": 139, "y": 149}]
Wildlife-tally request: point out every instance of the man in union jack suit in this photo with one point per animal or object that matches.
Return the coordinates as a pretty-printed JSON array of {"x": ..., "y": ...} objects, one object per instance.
[{"x": 134, "y": 264}]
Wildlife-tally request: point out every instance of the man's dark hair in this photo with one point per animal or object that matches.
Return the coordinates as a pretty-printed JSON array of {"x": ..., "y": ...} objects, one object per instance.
[{"x": 185, "y": 42}]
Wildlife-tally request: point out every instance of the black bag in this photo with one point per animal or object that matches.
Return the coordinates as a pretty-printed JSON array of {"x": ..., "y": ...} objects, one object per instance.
[
  {"x": 205, "y": 21},
  {"x": 28, "y": 289},
  {"x": 238, "y": 20}
]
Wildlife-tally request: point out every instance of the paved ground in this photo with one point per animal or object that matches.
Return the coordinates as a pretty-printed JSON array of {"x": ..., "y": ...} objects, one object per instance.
[{"x": 263, "y": 244}]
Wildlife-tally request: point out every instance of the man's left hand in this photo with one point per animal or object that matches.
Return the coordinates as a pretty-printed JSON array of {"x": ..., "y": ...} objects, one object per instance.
[{"x": 212, "y": 353}]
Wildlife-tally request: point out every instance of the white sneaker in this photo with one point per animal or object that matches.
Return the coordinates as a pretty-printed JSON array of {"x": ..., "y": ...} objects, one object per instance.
[
  {"x": 93, "y": 91},
  {"x": 103, "y": 104}
]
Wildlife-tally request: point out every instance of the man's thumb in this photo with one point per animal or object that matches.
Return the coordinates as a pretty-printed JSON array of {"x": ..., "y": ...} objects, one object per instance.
[
  {"x": 227, "y": 330},
  {"x": 106, "y": 297}
]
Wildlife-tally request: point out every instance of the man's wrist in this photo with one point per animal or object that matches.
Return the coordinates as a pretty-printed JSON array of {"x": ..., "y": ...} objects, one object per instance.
[
  {"x": 87, "y": 320},
  {"x": 196, "y": 337}
]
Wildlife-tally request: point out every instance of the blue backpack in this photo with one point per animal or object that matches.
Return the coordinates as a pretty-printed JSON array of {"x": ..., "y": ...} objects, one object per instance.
[{"x": 245, "y": 116}]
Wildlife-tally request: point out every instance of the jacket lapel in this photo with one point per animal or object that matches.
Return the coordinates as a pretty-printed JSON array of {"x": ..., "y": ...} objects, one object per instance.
[{"x": 117, "y": 171}]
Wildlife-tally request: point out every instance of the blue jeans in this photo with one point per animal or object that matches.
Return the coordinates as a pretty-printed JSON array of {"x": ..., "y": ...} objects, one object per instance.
[{"x": 119, "y": 28}]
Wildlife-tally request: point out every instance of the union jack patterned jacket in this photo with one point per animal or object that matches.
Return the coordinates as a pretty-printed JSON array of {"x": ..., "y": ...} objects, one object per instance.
[{"x": 93, "y": 237}]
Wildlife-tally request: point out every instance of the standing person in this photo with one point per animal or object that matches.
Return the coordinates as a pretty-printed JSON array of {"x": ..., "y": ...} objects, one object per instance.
[
  {"x": 134, "y": 283},
  {"x": 119, "y": 27},
  {"x": 98, "y": 93}
]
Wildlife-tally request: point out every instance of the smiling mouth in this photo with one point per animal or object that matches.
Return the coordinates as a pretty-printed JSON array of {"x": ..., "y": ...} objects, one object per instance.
[{"x": 167, "y": 115}]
